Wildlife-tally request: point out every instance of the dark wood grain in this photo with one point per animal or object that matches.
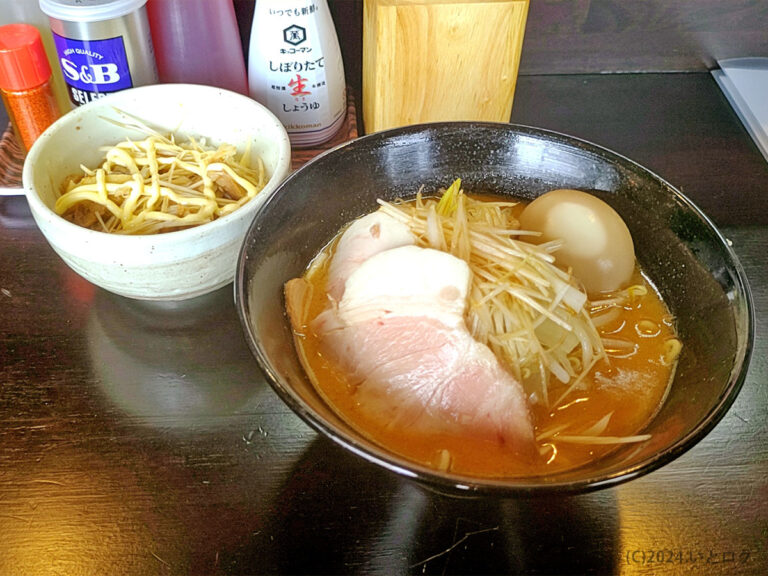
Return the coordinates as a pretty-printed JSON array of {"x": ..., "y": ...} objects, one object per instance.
[
  {"x": 680, "y": 126},
  {"x": 600, "y": 36},
  {"x": 132, "y": 441},
  {"x": 638, "y": 115},
  {"x": 590, "y": 36},
  {"x": 142, "y": 439}
]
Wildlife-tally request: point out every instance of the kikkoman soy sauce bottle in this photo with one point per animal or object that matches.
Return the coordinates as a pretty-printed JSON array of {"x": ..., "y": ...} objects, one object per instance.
[{"x": 295, "y": 68}]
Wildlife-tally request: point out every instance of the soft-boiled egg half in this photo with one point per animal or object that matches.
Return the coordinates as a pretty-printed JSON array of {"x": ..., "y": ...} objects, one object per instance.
[{"x": 597, "y": 245}]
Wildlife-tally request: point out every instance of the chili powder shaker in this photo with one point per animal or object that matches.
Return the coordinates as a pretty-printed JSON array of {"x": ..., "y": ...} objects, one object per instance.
[
  {"x": 295, "y": 68},
  {"x": 28, "y": 12},
  {"x": 25, "y": 82},
  {"x": 103, "y": 45}
]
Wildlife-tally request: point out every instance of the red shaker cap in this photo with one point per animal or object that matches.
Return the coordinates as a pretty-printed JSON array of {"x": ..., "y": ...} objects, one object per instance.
[{"x": 23, "y": 63}]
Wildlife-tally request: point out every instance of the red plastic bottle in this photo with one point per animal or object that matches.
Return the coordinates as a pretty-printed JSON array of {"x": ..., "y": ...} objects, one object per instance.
[
  {"x": 198, "y": 42},
  {"x": 25, "y": 82}
]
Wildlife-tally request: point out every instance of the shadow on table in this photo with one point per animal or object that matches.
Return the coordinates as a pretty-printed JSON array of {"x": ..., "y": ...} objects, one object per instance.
[
  {"x": 15, "y": 213},
  {"x": 337, "y": 514},
  {"x": 174, "y": 364}
]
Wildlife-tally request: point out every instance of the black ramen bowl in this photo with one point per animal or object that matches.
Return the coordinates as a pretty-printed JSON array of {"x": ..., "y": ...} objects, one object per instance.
[{"x": 682, "y": 252}]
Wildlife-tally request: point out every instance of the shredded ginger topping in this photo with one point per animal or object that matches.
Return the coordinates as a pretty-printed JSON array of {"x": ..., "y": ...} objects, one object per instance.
[
  {"x": 531, "y": 313},
  {"x": 158, "y": 185},
  {"x": 528, "y": 311}
]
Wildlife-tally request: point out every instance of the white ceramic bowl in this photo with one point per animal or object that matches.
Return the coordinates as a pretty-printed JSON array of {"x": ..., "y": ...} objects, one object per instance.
[{"x": 171, "y": 266}]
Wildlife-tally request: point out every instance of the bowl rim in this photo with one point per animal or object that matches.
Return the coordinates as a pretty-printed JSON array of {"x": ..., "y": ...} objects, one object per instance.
[
  {"x": 80, "y": 234},
  {"x": 527, "y": 486}
]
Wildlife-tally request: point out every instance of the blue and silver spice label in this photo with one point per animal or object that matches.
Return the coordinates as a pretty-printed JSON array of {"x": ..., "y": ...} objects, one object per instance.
[{"x": 93, "y": 68}]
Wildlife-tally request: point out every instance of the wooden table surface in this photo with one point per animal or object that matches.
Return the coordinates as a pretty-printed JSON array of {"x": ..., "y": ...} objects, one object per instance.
[{"x": 142, "y": 439}]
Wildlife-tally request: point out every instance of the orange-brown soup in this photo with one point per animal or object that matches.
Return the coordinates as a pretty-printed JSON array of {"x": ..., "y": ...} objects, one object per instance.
[{"x": 630, "y": 385}]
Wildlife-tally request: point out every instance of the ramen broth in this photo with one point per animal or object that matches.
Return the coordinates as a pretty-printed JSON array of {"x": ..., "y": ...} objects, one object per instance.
[{"x": 619, "y": 395}]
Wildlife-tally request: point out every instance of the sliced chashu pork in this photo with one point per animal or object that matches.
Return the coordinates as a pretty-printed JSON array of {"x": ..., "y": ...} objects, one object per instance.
[
  {"x": 399, "y": 332},
  {"x": 366, "y": 236}
]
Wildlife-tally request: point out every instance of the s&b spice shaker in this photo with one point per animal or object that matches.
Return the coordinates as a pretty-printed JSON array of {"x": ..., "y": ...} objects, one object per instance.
[
  {"x": 25, "y": 82},
  {"x": 103, "y": 45}
]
